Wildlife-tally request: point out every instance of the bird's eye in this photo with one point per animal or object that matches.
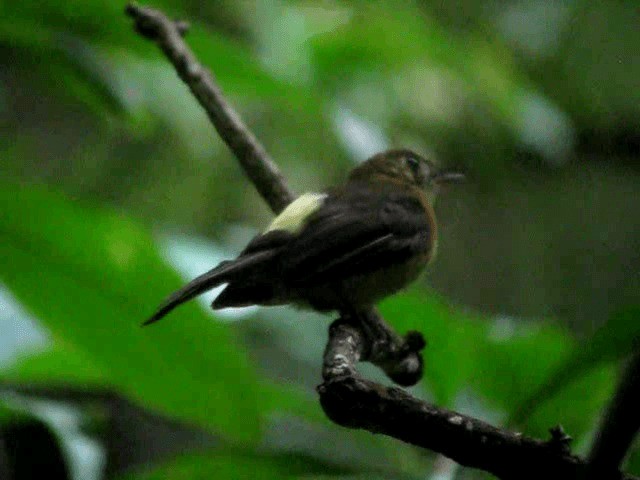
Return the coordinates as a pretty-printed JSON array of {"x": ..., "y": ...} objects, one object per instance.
[{"x": 414, "y": 165}]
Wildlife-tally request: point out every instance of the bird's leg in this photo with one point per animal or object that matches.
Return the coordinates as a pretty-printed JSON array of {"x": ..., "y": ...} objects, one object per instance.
[
  {"x": 399, "y": 357},
  {"x": 355, "y": 316},
  {"x": 365, "y": 321}
]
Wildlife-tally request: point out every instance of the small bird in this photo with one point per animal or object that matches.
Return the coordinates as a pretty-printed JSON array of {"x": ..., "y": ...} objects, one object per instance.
[{"x": 344, "y": 249}]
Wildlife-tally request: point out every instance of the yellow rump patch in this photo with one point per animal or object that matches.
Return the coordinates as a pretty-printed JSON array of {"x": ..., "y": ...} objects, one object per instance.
[{"x": 293, "y": 218}]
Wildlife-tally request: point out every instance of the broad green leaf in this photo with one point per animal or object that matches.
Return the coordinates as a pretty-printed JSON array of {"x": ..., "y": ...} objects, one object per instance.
[
  {"x": 619, "y": 337},
  {"x": 452, "y": 341},
  {"x": 242, "y": 464},
  {"x": 60, "y": 363},
  {"x": 502, "y": 360},
  {"x": 516, "y": 357},
  {"x": 51, "y": 21},
  {"x": 280, "y": 398},
  {"x": 91, "y": 276},
  {"x": 613, "y": 342},
  {"x": 577, "y": 406},
  {"x": 238, "y": 465}
]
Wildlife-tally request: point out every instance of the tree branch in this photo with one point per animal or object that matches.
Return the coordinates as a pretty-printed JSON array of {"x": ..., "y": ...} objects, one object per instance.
[
  {"x": 371, "y": 339},
  {"x": 354, "y": 402},
  {"x": 347, "y": 398},
  {"x": 254, "y": 159}
]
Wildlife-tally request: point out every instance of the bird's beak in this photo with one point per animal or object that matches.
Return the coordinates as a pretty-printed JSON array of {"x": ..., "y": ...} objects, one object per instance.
[{"x": 448, "y": 176}]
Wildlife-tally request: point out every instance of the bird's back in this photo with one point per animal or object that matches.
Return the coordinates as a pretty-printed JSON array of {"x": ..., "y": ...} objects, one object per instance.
[{"x": 360, "y": 245}]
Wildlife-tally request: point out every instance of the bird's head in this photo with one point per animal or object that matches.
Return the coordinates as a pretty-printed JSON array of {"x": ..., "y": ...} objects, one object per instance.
[{"x": 405, "y": 168}]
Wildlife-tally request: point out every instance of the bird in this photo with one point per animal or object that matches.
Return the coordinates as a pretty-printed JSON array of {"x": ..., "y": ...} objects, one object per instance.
[{"x": 343, "y": 249}]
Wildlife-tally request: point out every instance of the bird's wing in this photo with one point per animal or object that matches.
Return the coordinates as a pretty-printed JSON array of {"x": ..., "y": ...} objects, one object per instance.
[
  {"x": 353, "y": 235},
  {"x": 271, "y": 240}
]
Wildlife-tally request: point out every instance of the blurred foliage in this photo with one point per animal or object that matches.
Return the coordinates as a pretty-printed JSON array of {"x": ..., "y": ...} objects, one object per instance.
[
  {"x": 97, "y": 270},
  {"x": 533, "y": 301},
  {"x": 234, "y": 465}
]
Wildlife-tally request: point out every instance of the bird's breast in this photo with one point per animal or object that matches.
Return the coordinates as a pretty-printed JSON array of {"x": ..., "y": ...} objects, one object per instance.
[{"x": 369, "y": 289}]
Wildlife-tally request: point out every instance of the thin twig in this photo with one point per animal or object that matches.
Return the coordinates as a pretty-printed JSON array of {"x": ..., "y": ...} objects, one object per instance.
[{"x": 256, "y": 162}]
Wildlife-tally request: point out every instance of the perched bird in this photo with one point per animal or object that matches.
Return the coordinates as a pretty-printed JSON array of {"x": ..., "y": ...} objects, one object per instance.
[{"x": 344, "y": 249}]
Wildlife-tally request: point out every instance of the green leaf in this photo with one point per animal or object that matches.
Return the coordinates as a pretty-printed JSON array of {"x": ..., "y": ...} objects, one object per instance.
[
  {"x": 91, "y": 276},
  {"x": 515, "y": 359},
  {"x": 502, "y": 360},
  {"x": 281, "y": 398},
  {"x": 98, "y": 20},
  {"x": 508, "y": 361},
  {"x": 60, "y": 363},
  {"x": 619, "y": 337},
  {"x": 452, "y": 341},
  {"x": 231, "y": 465},
  {"x": 613, "y": 342},
  {"x": 241, "y": 464},
  {"x": 577, "y": 406}
]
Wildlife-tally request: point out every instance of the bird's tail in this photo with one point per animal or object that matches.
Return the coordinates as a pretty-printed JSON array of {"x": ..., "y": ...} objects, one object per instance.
[
  {"x": 223, "y": 273},
  {"x": 195, "y": 287}
]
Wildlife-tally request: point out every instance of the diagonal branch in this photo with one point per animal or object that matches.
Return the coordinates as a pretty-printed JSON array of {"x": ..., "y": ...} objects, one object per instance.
[
  {"x": 347, "y": 398},
  {"x": 354, "y": 402},
  {"x": 256, "y": 162}
]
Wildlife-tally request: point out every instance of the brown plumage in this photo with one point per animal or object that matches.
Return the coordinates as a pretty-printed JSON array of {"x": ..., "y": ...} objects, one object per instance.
[{"x": 342, "y": 250}]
